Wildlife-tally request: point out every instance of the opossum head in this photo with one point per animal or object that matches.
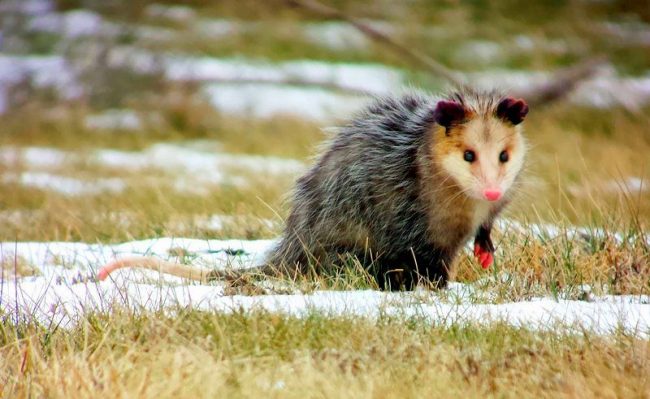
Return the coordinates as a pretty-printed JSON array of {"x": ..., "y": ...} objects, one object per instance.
[{"x": 478, "y": 143}]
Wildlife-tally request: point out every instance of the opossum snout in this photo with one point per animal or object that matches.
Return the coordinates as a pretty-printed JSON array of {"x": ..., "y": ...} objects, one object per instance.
[{"x": 492, "y": 194}]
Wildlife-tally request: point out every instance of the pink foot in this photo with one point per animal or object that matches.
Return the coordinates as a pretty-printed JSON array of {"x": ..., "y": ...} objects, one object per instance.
[{"x": 485, "y": 258}]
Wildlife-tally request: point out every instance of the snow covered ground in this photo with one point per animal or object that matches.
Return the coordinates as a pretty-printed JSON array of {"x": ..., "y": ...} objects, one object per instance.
[
  {"x": 64, "y": 288},
  {"x": 65, "y": 185},
  {"x": 261, "y": 88},
  {"x": 327, "y": 91},
  {"x": 606, "y": 89},
  {"x": 193, "y": 167}
]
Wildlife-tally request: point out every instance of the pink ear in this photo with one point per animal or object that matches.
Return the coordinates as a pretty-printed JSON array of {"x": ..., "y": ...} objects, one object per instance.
[
  {"x": 448, "y": 113},
  {"x": 513, "y": 110}
]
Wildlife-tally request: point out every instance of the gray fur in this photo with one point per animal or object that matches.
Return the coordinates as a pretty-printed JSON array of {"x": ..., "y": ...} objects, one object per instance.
[{"x": 376, "y": 193}]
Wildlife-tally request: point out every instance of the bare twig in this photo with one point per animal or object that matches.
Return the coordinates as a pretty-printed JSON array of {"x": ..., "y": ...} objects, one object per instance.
[
  {"x": 558, "y": 86},
  {"x": 289, "y": 81},
  {"x": 423, "y": 60},
  {"x": 562, "y": 82}
]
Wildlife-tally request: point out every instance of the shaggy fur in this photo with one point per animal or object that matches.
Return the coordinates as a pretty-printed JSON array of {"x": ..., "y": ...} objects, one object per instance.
[{"x": 378, "y": 193}]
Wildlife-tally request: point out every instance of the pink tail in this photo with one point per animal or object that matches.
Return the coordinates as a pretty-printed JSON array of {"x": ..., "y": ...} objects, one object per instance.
[{"x": 103, "y": 273}]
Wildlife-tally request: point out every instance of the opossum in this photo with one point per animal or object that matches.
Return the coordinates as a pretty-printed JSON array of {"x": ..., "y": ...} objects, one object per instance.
[{"x": 401, "y": 188}]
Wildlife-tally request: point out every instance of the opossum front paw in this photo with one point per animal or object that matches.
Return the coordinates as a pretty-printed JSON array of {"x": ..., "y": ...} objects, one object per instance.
[{"x": 484, "y": 255}]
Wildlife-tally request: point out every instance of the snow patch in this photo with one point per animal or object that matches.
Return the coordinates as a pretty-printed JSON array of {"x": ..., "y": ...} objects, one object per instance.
[
  {"x": 547, "y": 231},
  {"x": 263, "y": 89},
  {"x": 155, "y": 33},
  {"x": 136, "y": 59},
  {"x": 606, "y": 89},
  {"x": 336, "y": 36},
  {"x": 26, "y": 7},
  {"x": 629, "y": 33},
  {"x": 40, "y": 71},
  {"x": 73, "y": 24},
  {"x": 366, "y": 78},
  {"x": 162, "y": 156},
  {"x": 65, "y": 185},
  {"x": 191, "y": 169},
  {"x": 310, "y": 89},
  {"x": 265, "y": 101},
  {"x": 174, "y": 13},
  {"x": 220, "y": 28},
  {"x": 33, "y": 157},
  {"x": 193, "y": 161},
  {"x": 525, "y": 43},
  {"x": 479, "y": 51},
  {"x": 114, "y": 119},
  {"x": 628, "y": 185},
  {"x": 66, "y": 290}
]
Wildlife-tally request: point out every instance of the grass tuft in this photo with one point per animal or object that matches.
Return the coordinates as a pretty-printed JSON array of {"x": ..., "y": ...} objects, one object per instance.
[{"x": 259, "y": 353}]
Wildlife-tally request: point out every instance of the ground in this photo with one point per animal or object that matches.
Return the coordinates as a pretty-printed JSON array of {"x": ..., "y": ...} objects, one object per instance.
[{"x": 177, "y": 130}]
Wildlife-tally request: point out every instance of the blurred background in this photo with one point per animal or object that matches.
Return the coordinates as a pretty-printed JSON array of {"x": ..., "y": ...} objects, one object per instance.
[{"x": 130, "y": 119}]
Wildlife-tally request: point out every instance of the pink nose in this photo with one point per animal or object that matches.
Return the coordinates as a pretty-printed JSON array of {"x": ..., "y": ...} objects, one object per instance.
[{"x": 492, "y": 194}]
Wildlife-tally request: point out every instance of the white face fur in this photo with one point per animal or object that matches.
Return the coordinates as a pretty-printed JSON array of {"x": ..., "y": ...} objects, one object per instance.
[{"x": 483, "y": 156}]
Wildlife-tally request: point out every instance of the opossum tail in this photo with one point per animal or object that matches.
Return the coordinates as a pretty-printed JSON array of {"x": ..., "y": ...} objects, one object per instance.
[{"x": 180, "y": 270}]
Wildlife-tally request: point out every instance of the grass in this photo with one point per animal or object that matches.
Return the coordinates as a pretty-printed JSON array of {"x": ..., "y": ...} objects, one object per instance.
[
  {"x": 260, "y": 354},
  {"x": 566, "y": 185},
  {"x": 150, "y": 210},
  {"x": 578, "y": 174},
  {"x": 182, "y": 118},
  {"x": 277, "y": 34}
]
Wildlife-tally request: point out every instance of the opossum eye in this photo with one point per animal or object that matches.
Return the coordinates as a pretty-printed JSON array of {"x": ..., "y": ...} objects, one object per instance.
[
  {"x": 469, "y": 156},
  {"x": 503, "y": 157}
]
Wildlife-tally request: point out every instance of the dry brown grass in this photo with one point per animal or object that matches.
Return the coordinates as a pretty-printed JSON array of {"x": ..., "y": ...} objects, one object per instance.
[
  {"x": 264, "y": 355},
  {"x": 575, "y": 155},
  {"x": 537, "y": 265},
  {"x": 12, "y": 266},
  {"x": 579, "y": 161}
]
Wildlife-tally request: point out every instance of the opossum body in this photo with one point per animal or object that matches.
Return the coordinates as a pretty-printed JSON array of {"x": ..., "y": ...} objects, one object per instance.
[{"x": 401, "y": 187}]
